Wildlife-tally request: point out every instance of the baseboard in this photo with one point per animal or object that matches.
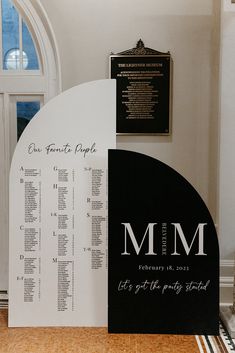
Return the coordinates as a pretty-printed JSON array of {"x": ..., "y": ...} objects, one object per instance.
[
  {"x": 3, "y": 299},
  {"x": 226, "y": 281}
]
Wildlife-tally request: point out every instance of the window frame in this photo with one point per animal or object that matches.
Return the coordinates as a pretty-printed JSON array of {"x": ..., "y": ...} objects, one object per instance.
[{"x": 45, "y": 83}]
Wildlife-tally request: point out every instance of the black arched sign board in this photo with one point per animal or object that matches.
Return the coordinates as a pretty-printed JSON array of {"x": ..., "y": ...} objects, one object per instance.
[{"x": 163, "y": 251}]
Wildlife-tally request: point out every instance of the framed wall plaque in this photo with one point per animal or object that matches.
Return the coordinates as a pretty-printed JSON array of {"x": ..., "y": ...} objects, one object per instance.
[{"x": 143, "y": 91}]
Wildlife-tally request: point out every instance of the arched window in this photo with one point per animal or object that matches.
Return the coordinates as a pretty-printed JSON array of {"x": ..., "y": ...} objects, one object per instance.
[
  {"x": 29, "y": 77},
  {"x": 18, "y": 49}
]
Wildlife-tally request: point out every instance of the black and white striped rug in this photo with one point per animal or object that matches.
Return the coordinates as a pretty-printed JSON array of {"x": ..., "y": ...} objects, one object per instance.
[{"x": 216, "y": 344}]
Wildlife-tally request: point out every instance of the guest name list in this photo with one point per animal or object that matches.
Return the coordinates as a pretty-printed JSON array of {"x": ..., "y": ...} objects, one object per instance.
[{"x": 58, "y": 218}]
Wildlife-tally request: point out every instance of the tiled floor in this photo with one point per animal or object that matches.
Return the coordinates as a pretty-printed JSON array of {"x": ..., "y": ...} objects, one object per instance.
[{"x": 87, "y": 340}]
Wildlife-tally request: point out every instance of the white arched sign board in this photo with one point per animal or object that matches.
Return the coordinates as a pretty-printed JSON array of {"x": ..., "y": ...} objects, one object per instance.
[{"x": 58, "y": 211}]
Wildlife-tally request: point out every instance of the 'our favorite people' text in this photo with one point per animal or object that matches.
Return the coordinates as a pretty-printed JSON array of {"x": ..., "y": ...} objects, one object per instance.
[{"x": 52, "y": 148}]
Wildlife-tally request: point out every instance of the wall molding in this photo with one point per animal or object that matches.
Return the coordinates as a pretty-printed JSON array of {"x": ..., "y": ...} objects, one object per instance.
[
  {"x": 227, "y": 273},
  {"x": 227, "y": 263},
  {"x": 226, "y": 281},
  {"x": 3, "y": 299}
]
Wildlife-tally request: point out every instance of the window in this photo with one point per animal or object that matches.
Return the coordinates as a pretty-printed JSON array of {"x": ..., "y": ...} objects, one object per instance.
[
  {"x": 22, "y": 110},
  {"x": 25, "y": 111},
  {"x": 18, "y": 49},
  {"x": 29, "y": 77}
]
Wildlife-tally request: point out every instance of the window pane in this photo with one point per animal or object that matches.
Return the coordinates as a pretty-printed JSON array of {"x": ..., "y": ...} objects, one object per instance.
[
  {"x": 10, "y": 33},
  {"x": 29, "y": 49},
  {"x": 13, "y": 59},
  {"x": 25, "y": 112}
]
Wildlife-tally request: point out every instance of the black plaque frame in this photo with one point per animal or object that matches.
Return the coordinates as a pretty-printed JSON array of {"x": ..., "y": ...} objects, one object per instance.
[{"x": 150, "y": 111}]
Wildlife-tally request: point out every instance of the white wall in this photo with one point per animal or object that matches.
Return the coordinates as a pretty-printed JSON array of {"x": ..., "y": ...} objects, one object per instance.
[
  {"x": 88, "y": 30},
  {"x": 227, "y": 147}
]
